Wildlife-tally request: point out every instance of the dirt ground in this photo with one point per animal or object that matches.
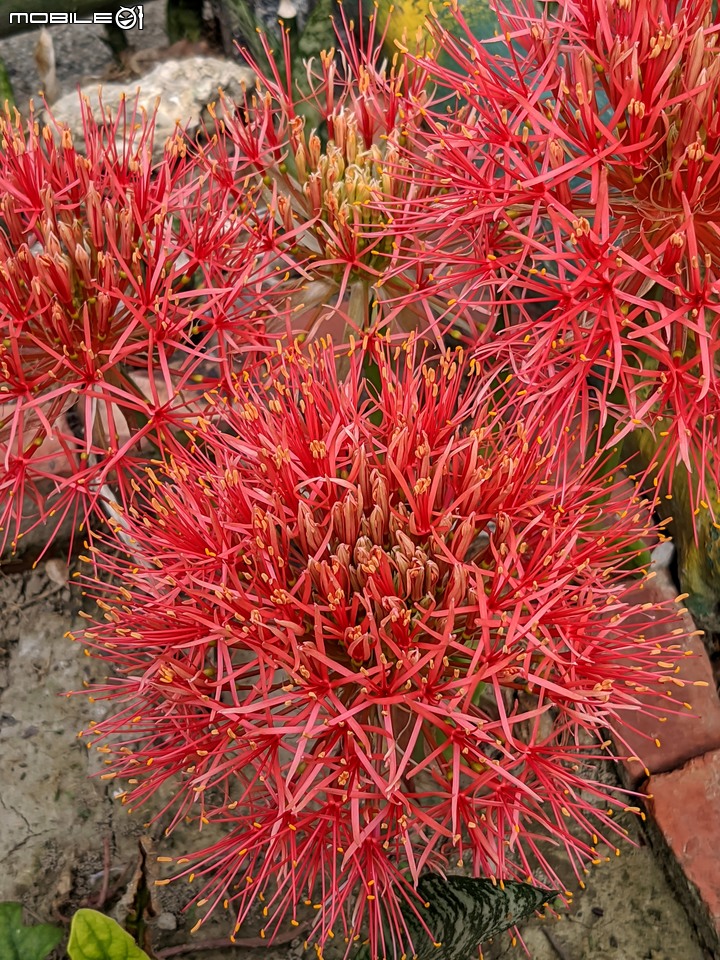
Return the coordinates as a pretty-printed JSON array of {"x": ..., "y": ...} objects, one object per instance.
[{"x": 65, "y": 842}]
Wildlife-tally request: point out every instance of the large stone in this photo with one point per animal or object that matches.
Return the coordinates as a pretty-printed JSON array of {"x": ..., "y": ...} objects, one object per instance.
[{"x": 184, "y": 88}]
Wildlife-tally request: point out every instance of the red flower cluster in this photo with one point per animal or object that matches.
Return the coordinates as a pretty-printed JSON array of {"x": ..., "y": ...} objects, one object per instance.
[
  {"x": 367, "y": 630},
  {"x": 373, "y": 615},
  {"x": 582, "y": 194},
  {"x": 127, "y": 289},
  {"x": 335, "y": 154},
  {"x": 130, "y": 288}
]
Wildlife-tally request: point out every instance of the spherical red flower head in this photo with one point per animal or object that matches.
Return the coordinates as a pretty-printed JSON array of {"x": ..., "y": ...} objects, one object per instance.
[
  {"x": 126, "y": 285},
  {"x": 582, "y": 192},
  {"x": 366, "y": 629}
]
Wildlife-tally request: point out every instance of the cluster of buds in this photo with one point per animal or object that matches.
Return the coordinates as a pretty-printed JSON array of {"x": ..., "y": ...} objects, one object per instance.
[
  {"x": 344, "y": 185},
  {"x": 337, "y": 171},
  {"x": 364, "y": 635}
]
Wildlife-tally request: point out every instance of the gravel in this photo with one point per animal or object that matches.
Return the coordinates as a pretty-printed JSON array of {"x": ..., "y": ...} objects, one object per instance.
[{"x": 81, "y": 56}]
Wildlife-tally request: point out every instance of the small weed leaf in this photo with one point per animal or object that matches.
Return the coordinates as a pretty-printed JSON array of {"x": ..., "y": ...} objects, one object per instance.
[
  {"x": 18, "y": 942},
  {"x": 94, "y": 936}
]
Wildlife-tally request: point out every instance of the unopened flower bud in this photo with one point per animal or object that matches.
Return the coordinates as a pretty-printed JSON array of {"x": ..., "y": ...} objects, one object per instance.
[
  {"x": 308, "y": 531},
  {"x": 377, "y": 525},
  {"x": 301, "y": 163},
  {"x": 463, "y": 537},
  {"x": 314, "y": 193},
  {"x": 352, "y": 515},
  {"x": 362, "y": 551},
  {"x": 456, "y": 587},
  {"x": 405, "y": 544},
  {"x": 314, "y": 569},
  {"x": 432, "y": 575},
  {"x": 415, "y": 581},
  {"x": 82, "y": 264},
  {"x": 343, "y": 555},
  {"x": 398, "y": 448},
  {"x": 339, "y": 126},
  {"x": 314, "y": 151},
  {"x": 694, "y": 59},
  {"x": 351, "y": 141}
]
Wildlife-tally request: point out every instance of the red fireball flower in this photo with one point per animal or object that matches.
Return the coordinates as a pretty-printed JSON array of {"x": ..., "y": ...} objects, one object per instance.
[
  {"x": 127, "y": 288},
  {"x": 333, "y": 155},
  {"x": 582, "y": 196},
  {"x": 361, "y": 632}
]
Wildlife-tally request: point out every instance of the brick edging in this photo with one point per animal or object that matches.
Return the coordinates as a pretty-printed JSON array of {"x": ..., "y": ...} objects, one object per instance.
[{"x": 677, "y": 768}]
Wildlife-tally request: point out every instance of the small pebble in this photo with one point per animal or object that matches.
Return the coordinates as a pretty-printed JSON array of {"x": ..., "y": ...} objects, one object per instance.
[
  {"x": 166, "y": 921},
  {"x": 56, "y": 570}
]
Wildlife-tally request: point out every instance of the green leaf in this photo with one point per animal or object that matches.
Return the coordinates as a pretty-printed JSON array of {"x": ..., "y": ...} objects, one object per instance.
[
  {"x": 319, "y": 33},
  {"x": 184, "y": 20},
  {"x": 18, "y": 942},
  {"x": 464, "y": 912},
  {"x": 93, "y": 936},
  {"x": 6, "y": 90}
]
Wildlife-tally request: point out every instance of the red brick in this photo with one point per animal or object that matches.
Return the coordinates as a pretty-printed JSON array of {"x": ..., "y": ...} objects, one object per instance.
[
  {"x": 694, "y": 731},
  {"x": 684, "y": 805}
]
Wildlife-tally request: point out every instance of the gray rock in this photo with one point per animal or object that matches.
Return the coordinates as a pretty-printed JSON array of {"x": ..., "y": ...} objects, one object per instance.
[
  {"x": 166, "y": 921},
  {"x": 184, "y": 89}
]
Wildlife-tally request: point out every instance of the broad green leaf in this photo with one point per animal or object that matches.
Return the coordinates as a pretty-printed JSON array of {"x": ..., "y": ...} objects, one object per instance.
[
  {"x": 93, "y": 936},
  {"x": 463, "y": 912},
  {"x": 18, "y": 942},
  {"x": 466, "y": 911}
]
